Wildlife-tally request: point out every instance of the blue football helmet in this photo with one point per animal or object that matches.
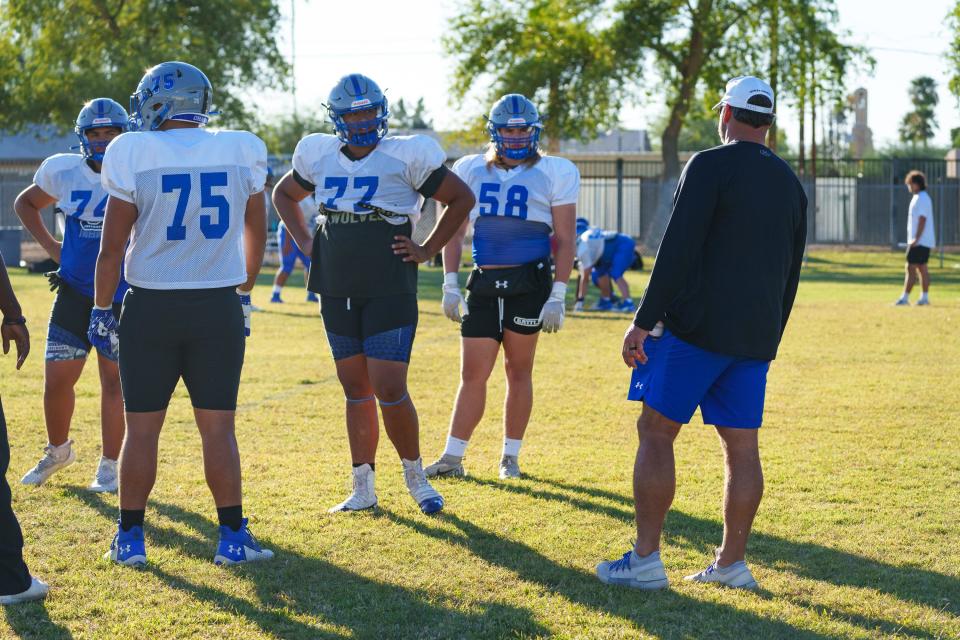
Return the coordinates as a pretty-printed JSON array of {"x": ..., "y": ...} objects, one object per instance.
[
  {"x": 170, "y": 91},
  {"x": 353, "y": 93},
  {"x": 514, "y": 111},
  {"x": 582, "y": 225},
  {"x": 99, "y": 112}
]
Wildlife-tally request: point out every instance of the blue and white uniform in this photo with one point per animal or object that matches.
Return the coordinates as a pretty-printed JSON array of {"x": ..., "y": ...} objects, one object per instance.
[
  {"x": 605, "y": 252},
  {"x": 289, "y": 251},
  {"x": 82, "y": 201},
  {"x": 512, "y": 223},
  {"x": 513, "y": 217}
]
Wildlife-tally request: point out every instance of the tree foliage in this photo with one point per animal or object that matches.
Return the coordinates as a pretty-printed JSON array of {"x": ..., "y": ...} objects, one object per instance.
[
  {"x": 917, "y": 126},
  {"x": 556, "y": 52},
  {"x": 282, "y": 134},
  {"x": 404, "y": 117},
  {"x": 55, "y": 54},
  {"x": 584, "y": 58}
]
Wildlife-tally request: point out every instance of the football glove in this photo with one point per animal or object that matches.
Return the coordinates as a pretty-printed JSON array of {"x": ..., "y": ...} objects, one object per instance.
[
  {"x": 551, "y": 316},
  {"x": 54, "y": 279},
  {"x": 102, "y": 332},
  {"x": 452, "y": 300},
  {"x": 247, "y": 305}
]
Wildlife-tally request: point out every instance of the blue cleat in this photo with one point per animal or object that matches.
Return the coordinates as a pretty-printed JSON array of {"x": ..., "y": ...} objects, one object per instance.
[
  {"x": 276, "y": 299},
  {"x": 603, "y": 304},
  {"x": 127, "y": 547},
  {"x": 420, "y": 488},
  {"x": 239, "y": 546},
  {"x": 626, "y": 306},
  {"x": 312, "y": 297}
]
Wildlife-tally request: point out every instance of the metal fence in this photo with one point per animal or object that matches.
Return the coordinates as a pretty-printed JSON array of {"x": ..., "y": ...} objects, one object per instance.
[{"x": 859, "y": 202}]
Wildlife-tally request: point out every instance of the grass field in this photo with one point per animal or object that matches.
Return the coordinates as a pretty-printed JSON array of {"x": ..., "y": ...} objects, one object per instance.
[{"x": 857, "y": 536}]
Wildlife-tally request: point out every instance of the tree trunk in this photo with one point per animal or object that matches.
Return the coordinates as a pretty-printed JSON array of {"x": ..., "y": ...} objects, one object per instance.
[
  {"x": 551, "y": 125},
  {"x": 774, "y": 64},
  {"x": 813, "y": 120},
  {"x": 690, "y": 67}
]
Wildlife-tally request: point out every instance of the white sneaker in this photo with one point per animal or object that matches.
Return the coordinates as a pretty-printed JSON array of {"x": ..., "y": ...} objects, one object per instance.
[
  {"x": 901, "y": 302},
  {"x": 37, "y": 591},
  {"x": 55, "y": 458},
  {"x": 922, "y": 302},
  {"x": 737, "y": 576},
  {"x": 633, "y": 571},
  {"x": 509, "y": 467},
  {"x": 426, "y": 496},
  {"x": 363, "y": 496},
  {"x": 106, "y": 479},
  {"x": 448, "y": 466}
]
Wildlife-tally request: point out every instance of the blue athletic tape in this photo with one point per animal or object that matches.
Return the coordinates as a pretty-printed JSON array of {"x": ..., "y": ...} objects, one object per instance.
[
  {"x": 403, "y": 399},
  {"x": 359, "y": 400}
]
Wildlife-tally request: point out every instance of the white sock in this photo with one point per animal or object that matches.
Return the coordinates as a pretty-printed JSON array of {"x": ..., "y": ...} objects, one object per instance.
[
  {"x": 905, "y": 296},
  {"x": 923, "y": 296},
  {"x": 455, "y": 447},
  {"x": 511, "y": 447},
  {"x": 277, "y": 289}
]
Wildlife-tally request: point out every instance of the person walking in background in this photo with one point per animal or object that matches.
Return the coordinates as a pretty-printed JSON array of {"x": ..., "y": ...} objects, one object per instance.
[
  {"x": 920, "y": 239},
  {"x": 708, "y": 326},
  {"x": 16, "y": 583}
]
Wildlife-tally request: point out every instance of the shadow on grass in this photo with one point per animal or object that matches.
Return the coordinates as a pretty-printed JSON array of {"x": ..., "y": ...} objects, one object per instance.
[
  {"x": 666, "y": 614},
  {"x": 815, "y": 562},
  {"x": 31, "y": 620},
  {"x": 293, "y": 586}
]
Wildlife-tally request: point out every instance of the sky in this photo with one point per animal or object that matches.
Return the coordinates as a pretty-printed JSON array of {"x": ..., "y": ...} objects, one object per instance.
[{"x": 400, "y": 48}]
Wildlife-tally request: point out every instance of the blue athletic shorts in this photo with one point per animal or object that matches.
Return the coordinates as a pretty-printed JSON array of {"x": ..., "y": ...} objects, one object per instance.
[
  {"x": 618, "y": 255},
  {"x": 679, "y": 377},
  {"x": 289, "y": 251}
]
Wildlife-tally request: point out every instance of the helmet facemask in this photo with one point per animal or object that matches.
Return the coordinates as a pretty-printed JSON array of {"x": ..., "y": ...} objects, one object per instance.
[{"x": 364, "y": 133}]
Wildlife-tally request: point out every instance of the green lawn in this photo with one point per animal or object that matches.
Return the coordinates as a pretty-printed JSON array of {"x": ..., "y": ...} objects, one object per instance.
[{"x": 857, "y": 536}]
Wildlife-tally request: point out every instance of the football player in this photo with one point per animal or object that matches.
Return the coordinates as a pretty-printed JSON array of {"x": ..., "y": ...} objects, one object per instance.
[
  {"x": 71, "y": 182},
  {"x": 289, "y": 254},
  {"x": 604, "y": 257},
  {"x": 190, "y": 202},
  {"x": 522, "y": 197},
  {"x": 370, "y": 188}
]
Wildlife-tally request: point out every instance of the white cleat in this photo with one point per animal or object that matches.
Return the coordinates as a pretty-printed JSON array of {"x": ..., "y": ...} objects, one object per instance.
[
  {"x": 420, "y": 488},
  {"x": 509, "y": 467},
  {"x": 363, "y": 496},
  {"x": 923, "y": 302},
  {"x": 631, "y": 570},
  {"x": 36, "y": 591},
  {"x": 736, "y": 576},
  {"x": 106, "y": 479},
  {"x": 901, "y": 302},
  {"x": 448, "y": 466},
  {"x": 54, "y": 459}
]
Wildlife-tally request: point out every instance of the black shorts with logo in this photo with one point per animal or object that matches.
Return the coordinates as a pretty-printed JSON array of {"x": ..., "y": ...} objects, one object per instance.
[
  {"x": 352, "y": 257},
  {"x": 381, "y": 328},
  {"x": 506, "y": 299},
  {"x": 918, "y": 255},
  {"x": 194, "y": 334}
]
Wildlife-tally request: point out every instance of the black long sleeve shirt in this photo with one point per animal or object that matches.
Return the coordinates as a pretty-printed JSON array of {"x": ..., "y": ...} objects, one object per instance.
[{"x": 727, "y": 270}]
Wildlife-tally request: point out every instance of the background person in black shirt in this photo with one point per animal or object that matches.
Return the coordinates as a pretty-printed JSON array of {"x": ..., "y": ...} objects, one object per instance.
[{"x": 715, "y": 309}]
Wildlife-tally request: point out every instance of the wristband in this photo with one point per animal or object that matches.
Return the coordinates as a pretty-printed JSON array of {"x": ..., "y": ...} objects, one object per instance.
[
  {"x": 241, "y": 292},
  {"x": 13, "y": 321},
  {"x": 110, "y": 308},
  {"x": 451, "y": 279}
]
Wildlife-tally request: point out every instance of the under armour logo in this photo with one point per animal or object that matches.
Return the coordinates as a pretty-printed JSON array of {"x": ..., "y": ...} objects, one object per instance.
[
  {"x": 125, "y": 548},
  {"x": 639, "y": 385},
  {"x": 233, "y": 549},
  {"x": 501, "y": 284}
]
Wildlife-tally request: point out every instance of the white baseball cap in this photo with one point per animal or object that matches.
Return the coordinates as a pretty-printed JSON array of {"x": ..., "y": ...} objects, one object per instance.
[{"x": 740, "y": 89}]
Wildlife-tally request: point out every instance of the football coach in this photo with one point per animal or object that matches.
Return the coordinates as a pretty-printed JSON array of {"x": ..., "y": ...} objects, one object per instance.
[{"x": 708, "y": 326}]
